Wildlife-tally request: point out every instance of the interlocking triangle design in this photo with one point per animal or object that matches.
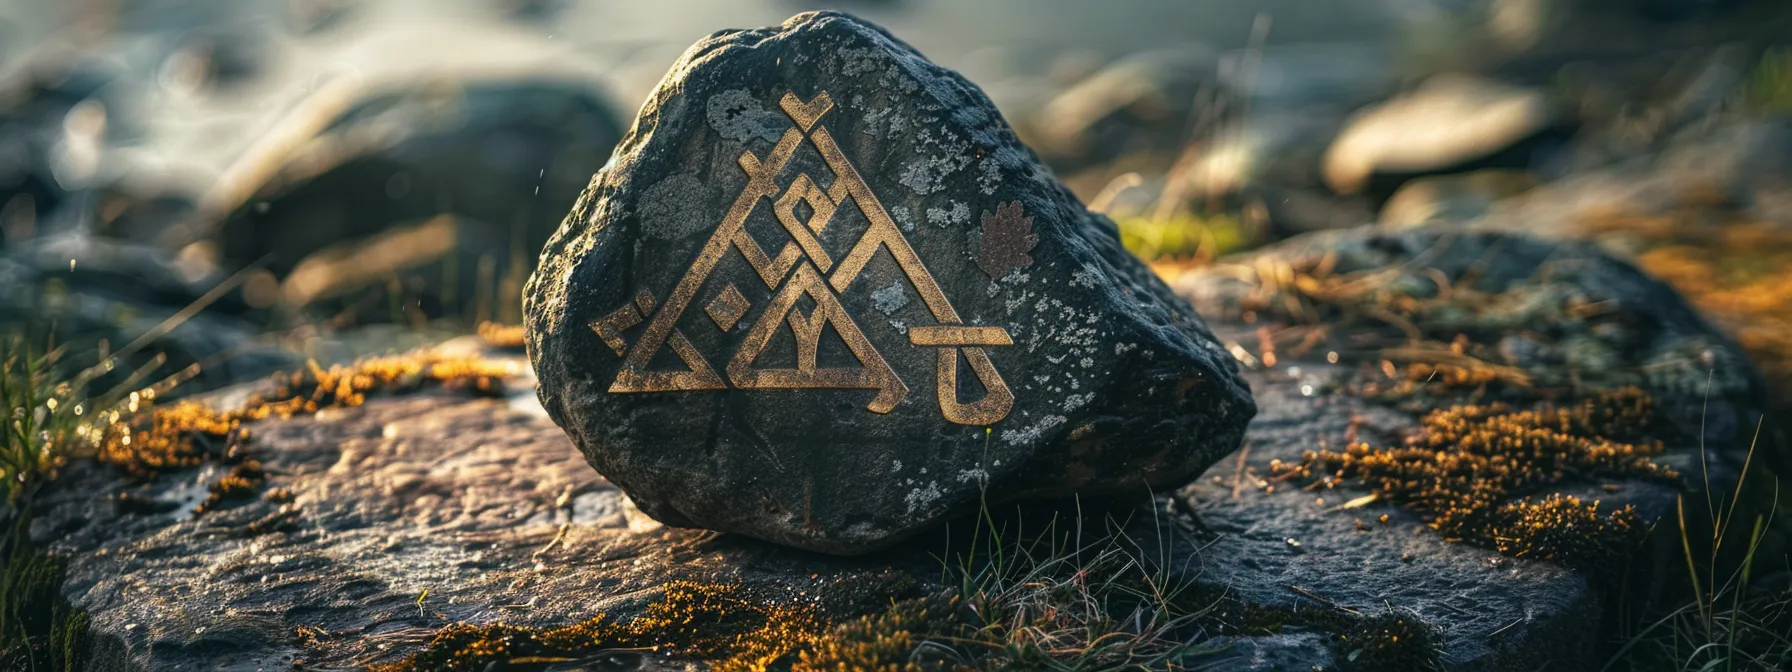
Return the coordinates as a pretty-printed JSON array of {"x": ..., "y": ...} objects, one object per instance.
[{"x": 803, "y": 269}]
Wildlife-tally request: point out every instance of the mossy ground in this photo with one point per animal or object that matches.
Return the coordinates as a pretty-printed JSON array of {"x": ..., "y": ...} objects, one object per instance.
[
  {"x": 503, "y": 336},
  {"x": 145, "y": 439},
  {"x": 1484, "y": 474},
  {"x": 39, "y": 630},
  {"x": 54, "y": 419}
]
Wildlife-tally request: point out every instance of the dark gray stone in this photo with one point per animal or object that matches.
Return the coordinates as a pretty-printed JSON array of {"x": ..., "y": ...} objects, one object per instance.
[
  {"x": 1069, "y": 368},
  {"x": 361, "y": 201},
  {"x": 1491, "y": 611}
]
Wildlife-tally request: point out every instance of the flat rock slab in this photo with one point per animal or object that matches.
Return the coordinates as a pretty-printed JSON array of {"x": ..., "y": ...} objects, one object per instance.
[
  {"x": 406, "y": 515},
  {"x": 822, "y": 296},
  {"x": 487, "y": 506}
]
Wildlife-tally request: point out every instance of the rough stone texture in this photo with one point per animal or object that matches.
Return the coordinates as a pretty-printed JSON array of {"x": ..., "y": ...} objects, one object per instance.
[
  {"x": 486, "y": 504},
  {"x": 1494, "y": 612},
  {"x": 1469, "y": 593},
  {"x": 1090, "y": 377},
  {"x": 481, "y": 502}
]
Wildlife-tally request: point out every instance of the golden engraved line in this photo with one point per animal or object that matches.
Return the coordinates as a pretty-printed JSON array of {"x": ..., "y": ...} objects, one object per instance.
[
  {"x": 999, "y": 399},
  {"x": 610, "y": 327},
  {"x": 804, "y": 189},
  {"x": 875, "y": 373},
  {"x": 954, "y": 334},
  {"x": 951, "y": 336},
  {"x": 806, "y": 114},
  {"x": 761, "y": 183},
  {"x": 986, "y": 411},
  {"x": 882, "y": 231}
]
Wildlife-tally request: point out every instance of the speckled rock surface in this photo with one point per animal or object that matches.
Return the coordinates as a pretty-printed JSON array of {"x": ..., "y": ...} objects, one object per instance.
[
  {"x": 1492, "y": 611},
  {"x": 405, "y": 515},
  {"x": 485, "y": 504},
  {"x": 960, "y": 328}
]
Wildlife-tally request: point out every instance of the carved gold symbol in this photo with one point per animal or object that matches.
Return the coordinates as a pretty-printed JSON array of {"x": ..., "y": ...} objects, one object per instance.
[{"x": 801, "y": 269}]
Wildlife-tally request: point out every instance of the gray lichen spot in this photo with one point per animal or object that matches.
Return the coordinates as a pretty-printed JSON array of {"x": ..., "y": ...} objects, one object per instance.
[
  {"x": 956, "y": 213},
  {"x": 672, "y": 207},
  {"x": 928, "y": 174},
  {"x": 738, "y": 116},
  {"x": 1035, "y": 432},
  {"x": 989, "y": 174},
  {"x": 902, "y": 216},
  {"x": 1085, "y": 277},
  {"x": 890, "y": 298}
]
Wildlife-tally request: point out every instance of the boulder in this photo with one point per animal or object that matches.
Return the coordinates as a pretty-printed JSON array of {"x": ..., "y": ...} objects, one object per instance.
[
  {"x": 1449, "y": 124},
  {"x": 961, "y": 329},
  {"x": 414, "y": 523},
  {"x": 1325, "y": 377},
  {"x": 1452, "y": 198},
  {"x": 1142, "y": 102},
  {"x": 450, "y": 183}
]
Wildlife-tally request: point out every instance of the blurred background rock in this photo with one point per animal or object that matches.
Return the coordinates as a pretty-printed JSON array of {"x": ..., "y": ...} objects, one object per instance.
[{"x": 270, "y": 180}]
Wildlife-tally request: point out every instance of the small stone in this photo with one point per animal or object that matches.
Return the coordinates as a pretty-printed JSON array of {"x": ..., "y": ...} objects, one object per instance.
[
  {"x": 1450, "y": 120},
  {"x": 841, "y": 339},
  {"x": 1452, "y": 198}
]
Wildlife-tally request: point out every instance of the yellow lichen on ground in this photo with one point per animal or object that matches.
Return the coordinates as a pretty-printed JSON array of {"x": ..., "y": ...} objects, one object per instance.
[
  {"x": 1468, "y": 465},
  {"x": 715, "y": 622},
  {"x": 1741, "y": 276},
  {"x": 500, "y": 335},
  {"x": 145, "y": 439}
]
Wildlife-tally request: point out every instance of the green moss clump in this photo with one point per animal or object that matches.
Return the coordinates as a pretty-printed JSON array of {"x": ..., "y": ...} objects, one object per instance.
[
  {"x": 1466, "y": 466},
  {"x": 886, "y": 641},
  {"x": 39, "y": 630},
  {"x": 1388, "y": 641},
  {"x": 1770, "y": 86}
]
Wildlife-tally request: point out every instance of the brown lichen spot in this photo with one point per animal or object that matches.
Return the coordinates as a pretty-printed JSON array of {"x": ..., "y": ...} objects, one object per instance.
[
  {"x": 1006, "y": 240},
  {"x": 503, "y": 336},
  {"x": 1464, "y": 468}
]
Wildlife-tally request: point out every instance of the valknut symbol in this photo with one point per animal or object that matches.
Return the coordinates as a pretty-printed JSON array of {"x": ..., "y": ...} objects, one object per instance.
[{"x": 802, "y": 268}]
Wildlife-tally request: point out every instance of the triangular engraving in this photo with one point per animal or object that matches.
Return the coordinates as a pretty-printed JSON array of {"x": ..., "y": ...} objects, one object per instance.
[
  {"x": 818, "y": 276},
  {"x": 874, "y": 374}
]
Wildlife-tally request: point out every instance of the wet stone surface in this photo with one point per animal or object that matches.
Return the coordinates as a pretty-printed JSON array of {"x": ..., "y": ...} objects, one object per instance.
[{"x": 822, "y": 296}]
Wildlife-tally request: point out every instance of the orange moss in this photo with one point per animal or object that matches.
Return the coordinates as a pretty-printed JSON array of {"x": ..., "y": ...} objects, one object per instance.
[
  {"x": 145, "y": 440},
  {"x": 501, "y": 336},
  {"x": 243, "y": 481},
  {"x": 1465, "y": 466},
  {"x": 706, "y": 621}
]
